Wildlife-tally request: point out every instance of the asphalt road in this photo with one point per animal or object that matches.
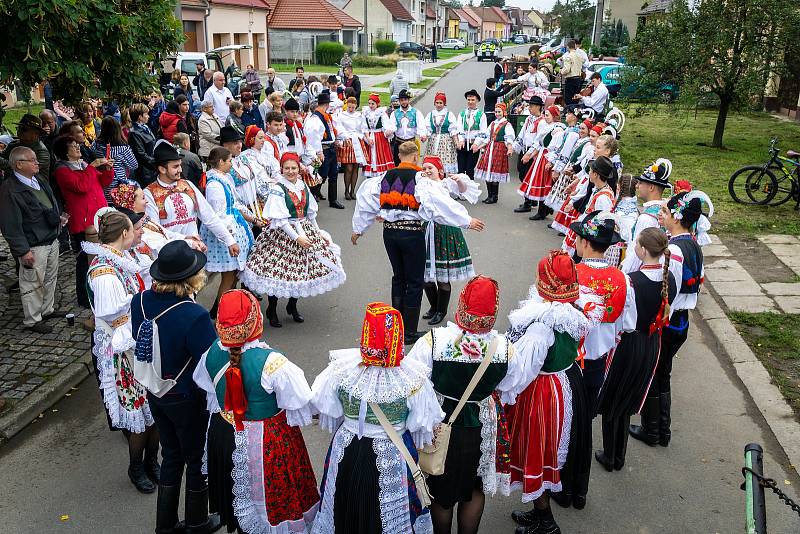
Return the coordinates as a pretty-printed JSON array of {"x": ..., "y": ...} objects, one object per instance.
[{"x": 66, "y": 472}]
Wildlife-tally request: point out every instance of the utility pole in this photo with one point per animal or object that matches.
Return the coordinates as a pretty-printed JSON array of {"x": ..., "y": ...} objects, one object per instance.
[
  {"x": 366, "y": 30},
  {"x": 597, "y": 30}
]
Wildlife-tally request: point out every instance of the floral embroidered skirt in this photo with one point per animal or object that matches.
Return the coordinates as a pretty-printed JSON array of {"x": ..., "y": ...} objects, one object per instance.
[
  {"x": 449, "y": 251},
  {"x": 442, "y": 145},
  {"x": 496, "y": 168},
  {"x": 539, "y": 426},
  {"x": 379, "y": 156},
  {"x": 279, "y": 267}
]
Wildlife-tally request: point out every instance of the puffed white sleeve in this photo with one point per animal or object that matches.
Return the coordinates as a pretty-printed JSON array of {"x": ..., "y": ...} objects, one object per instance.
[
  {"x": 367, "y": 204},
  {"x": 215, "y": 194},
  {"x": 209, "y": 218},
  {"x": 437, "y": 206},
  {"x": 206, "y": 382},
  {"x": 629, "y": 313},
  {"x": 422, "y": 351},
  {"x": 455, "y": 124},
  {"x": 151, "y": 209},
  {"x": 424, "y": 413},
  {"x": 312, "y": 208},
  {"x": 471, "y": 188},
  {"x": 325, "y": 399},
  {"x": 288, "y": 382},
  {"x": 112, "y": 304},
  {"x": 278, "y": 214},
  {"x": 509, "y": 133},
  {"x": 526, "y": 357},
  {"x": 676, "y": 265},
  {"x": 604, "y": 203},
  {"x": 422, "y": 125}
]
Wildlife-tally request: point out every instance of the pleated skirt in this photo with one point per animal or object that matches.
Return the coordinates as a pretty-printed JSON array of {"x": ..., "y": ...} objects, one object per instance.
[
  {"x": 221, "y": 444},
  {"x": 629, "y": 372}
]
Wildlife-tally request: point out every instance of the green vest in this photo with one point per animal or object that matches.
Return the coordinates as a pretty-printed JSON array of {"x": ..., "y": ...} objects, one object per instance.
[
  {"x": 290, "y": 205},
  {"x": 562, "y": 353},
  {"x": 476, "y": 125},
  {"x": 500, "y": 134},
  {"x": 260, "y": 404},
  {"x": 445, "y": 129}
]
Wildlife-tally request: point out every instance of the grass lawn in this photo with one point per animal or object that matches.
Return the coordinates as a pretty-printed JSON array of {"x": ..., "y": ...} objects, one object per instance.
[
  {"x": 13, "y": 115},
  {"x": 328, "y": 69},
  {"x": 422, "y": 84},
  {"x": 681, "y": 137},
  {"x": 444, "y": 53},
  {"x": 775, "y": 340},
  {"x": 382, "y": 85}
]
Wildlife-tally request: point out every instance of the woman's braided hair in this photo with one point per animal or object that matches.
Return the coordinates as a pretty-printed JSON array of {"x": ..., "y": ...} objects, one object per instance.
[{"x": 655, "y": 242}]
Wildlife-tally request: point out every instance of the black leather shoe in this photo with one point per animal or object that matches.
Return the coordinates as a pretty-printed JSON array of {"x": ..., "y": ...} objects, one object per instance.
[
  {"x": 430, "y": 313},
  {"x": 291, "y": 309},
  {"x": 579, "y": 502},
  {"x": 601, "y": 458},
  {"x": 487, "y": 200},
  {"x": 491, "y": 200},
  {"x": 198, "y": 520},
  {"x": 437, "y": 318},
  {"x": 522, "y": 208},
  {"x": 138, "y": 476},
  {"x": 538, "y": 216},
  {"x": 55, "y": 314},
  {"x": 526, "y": 519},
  {"x": 564, "y": 500},
  {"x": 336, "y": 205}
]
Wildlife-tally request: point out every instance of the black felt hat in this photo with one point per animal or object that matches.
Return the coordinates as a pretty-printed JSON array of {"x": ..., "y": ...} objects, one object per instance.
[
  {"x": 164, "y": 151},
  {"x": 603, "y": 166},
  {"x": 31, "y": 122},
  {"x": 658, "y": 173},
  {"x": 404, "y": 94},
  {"x": 177, "y": 261},
  {"x": 324, "y": 98},
  {"x": 229, "y": 134},
  {"x": 291, "y": 105},
  {"x": 473, "y": 92},
  {"x": 535, "y": 100},
  {"x": 132, "y": 215},
  {"x": 598, "y": 227}
]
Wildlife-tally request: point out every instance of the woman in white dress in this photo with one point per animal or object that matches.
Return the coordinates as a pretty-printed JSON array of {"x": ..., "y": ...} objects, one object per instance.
[
  {"x": 444, "y": 128},
  {"x": 379, "y": 152},
  {"x": 254, "y": 171},
  {"x": 352, "y": 153}
]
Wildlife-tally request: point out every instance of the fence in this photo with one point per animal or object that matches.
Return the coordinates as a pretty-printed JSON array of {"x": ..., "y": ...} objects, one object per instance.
[{"x": 295, "y": 48}]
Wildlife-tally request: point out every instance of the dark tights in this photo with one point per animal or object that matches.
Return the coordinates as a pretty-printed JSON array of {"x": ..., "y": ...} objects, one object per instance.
[
  {"x": 350, "y": 180},
  {"x": 469, "y": 515},
  {"x": 139, "y": 442}
]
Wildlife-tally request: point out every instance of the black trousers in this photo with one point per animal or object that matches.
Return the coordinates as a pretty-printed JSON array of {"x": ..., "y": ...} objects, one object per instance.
[
  {"x": 81, "y": 270},
  {"x": 329, "y": 170},
  {"x": 572, "y": 86},
  {"x": 522, "y": 167},
  {"x": 406, "y": 251},
  {"x": 593, "y": 376},
  {"x": 467, "y": 159},
  {"x": 671, "y": 341},
  {"x": 182, "y": 422}
]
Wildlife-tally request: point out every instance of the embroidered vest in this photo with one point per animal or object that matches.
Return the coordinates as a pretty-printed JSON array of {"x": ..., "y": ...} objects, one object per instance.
[
  {"x": 397, "y": 189},
  {"x": 161, "y": 193},
  {"x": 329, "y": 131},
  {"x": 561, "y": 354},
  {"x": 609, "y": 284},
  {"x": 260, "y": 404},
  {"x": 476, "y": 124},
  {"x": 578, "y": 150},
  {"x": 499, "y": 131},
  {"x": 606, "y": 191},
  {"x": 230, "y": 208},
  {"x": 692, "y": 263},
  {"x": 101, "y": 266},
  {"x": 296, "y": 205},
  {"x": 276, "y": 149},
  {"x": 410, "y": 114},
  {"x": 374, "y": 121},
  {"x": 442, "y": 128}
]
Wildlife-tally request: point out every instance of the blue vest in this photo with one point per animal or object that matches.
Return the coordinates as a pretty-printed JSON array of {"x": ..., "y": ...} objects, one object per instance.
[
  {"x": 692, "y": 263},
  {"x": 328, "y": 132},
  {"x": 411, "y": 114},
  {"x": 260, "y": 404}
]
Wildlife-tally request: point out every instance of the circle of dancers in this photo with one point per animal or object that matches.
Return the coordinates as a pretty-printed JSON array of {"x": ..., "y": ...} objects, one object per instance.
[{"x": 424, "y": 424}]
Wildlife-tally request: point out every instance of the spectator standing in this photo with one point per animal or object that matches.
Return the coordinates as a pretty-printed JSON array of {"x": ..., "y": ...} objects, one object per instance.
[
  {"x": 184, "y": 87},
  {"x": 299, "y": 74},
  {"x": 250, "y": 113},
  {"x": 184, "y": 108},
  {"x": 253, "y": 82},
  {"x": 30, "y": 222},
  {"x": 75, "y": 130},
  {"x": 111, "y": 142},
  {"x": 29, "y": 132},
  {"x": 157, "y": 107},
  {"x": 571, "y": 69},
  {"x": 49, "y": 121},
  {"x": 351, "y": 80},
  {"x": 88, "y": 117},
  {"x": 171, "y": 121},
  {"x": 398, "y": 83},
  {"x": 220, "y": 96},
  {"x": 83, "y": 187},
  {"x": 208, "y": 127},
  {"x": 275, "y": 83},
  {"x": 142, "y": 141},
  {"x": 191, "y": 166},
  {"x": 200, "y": 81}
]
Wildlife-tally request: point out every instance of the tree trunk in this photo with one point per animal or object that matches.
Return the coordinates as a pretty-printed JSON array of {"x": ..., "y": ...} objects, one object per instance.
[{"x": 722, "y": 116}]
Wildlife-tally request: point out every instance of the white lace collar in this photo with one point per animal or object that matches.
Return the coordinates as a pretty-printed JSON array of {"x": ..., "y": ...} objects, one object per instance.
[
  {"x": 560, "y": 316},
  {"x": 118, "y": 258},
  {"x": 296, "y": 187},
  {"x": 376, "y": 384}
]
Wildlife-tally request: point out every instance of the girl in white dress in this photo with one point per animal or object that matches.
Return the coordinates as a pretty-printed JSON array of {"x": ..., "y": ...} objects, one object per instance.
[
  {"x": 351, "y": 154},
  {"x": 444, "y": 128}
]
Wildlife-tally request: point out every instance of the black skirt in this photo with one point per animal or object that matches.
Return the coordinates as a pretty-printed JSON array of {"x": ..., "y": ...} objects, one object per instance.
[
  {"x": 629, "y": 375},
  {"x": 460, "y": 475},
  {"x": 221, "y": 444},
  {"x": 356, "y": 508},
  {"x": 576, "y": 470}
]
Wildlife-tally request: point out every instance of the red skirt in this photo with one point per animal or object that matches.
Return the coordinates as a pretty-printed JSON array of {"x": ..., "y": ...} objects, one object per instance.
[
  {"x": 564, "y": 217},
  {"x": 539, "y": 427},
  {"x": 345, "y": 153},
  {"x": 538, "y": 181},
  {"x": 379, "y": 156},
  {"x": 495, "y": 170}
]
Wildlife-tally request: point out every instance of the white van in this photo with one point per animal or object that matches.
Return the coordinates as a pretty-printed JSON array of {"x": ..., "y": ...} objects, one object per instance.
[{"x": 217, "y": 59}]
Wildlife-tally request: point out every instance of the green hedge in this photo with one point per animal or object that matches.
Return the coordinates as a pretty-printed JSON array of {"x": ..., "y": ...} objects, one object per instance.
[
  {"x": 329, "y": 52},
  {"x": 374, "y": 61},
  {"x": 384, "y": 47}
]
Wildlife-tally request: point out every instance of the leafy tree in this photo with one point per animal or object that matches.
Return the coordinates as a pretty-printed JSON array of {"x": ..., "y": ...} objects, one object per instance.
[
  {"x": 614, "y": 36},
  {"x": 86, "y": 47},
  {"x": 493, "y": 3},
  {"x": 725, "y": 47},
  {"x": 576, "y": 17}
]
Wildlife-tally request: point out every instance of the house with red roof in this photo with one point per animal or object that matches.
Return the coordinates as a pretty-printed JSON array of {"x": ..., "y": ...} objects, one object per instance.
[
  {"x": 468, "y": 26},
  {"x": 494, "y": 23},
  {"x": 380, "y": 19}
]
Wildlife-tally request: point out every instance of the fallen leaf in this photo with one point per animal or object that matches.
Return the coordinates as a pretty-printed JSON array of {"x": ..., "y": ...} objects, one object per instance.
[
  {"x": 55, "y": 410},
  {"x": 65, "y": 517},
  {"x": 787, "y": 482}
]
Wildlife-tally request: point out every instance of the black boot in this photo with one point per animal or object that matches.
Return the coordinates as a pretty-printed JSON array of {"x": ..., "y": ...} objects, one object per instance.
[
  {"x": 197, "y": 518},
  {"x": 606, "y": 456},
  {"x": 332, "y": 195},
  {"x": 138, "y": 476},
  {"x": 443, "y": 300},
  {"x": 272, "y": 312},
  {"x": 561, "y": 498},
  {"x": 493, "y": 189},
  {"x": 665, "y": 405},
  {"x": 167, "y": 510},
  {"x": 431, "y": 293},
  {"x": 526, "y": 519},
  {"x": 648, "y": 432},
  {"x": 541, "y": 212},
  {"x": 410, "y": 322},
  {"x": 291, "y": 309},
  {"x": 621, "y": 442},
  {"x": 525, "y": 207},
  {"x": 151, "y": 465},
  {"x": 547, "y": 524}
]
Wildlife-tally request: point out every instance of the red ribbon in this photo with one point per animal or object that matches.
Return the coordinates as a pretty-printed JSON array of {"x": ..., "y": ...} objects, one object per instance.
[{"x": 235, "y": 400}]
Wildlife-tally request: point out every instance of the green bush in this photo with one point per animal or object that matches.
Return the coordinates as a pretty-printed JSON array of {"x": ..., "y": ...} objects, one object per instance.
[
  {"x": 374, "y": 61},
  {"x": 329, "y": 52},
  {"x": 384, "y": 46}
]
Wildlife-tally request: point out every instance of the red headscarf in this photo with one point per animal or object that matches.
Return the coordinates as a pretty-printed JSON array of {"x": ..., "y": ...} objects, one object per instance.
[
  {"x": 289, "y": 156},
  {"x": 250, "y": 135},
  {"x": 436, "y": 161},
  {"x": 558, "y": 278},
  {"x": 502, "y": 106},
  {"x": 478, "y": 305},
  {"x": 375, "y": 97},
  {"x": 555, "y": 112},
  {"x": 382, "y": 336},
  {"x": 440, "y": 96},
  {"x": 589, "y": 124}
]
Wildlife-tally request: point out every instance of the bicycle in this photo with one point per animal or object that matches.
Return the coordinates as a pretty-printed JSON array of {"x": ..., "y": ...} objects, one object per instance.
[{"x": 775, "y": 182}]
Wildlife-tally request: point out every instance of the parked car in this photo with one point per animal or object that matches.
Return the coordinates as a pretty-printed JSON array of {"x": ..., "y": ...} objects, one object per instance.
[
  {"x": 614, "y": 79},
  {"x": 554, "y": 44},
  {"x": 519, "y": 39},
  {"x": 488, "y": 49},
  {"x": 455, "y": 44},
  {"x": 217, "y": 59},
  {"x": 408, "y": 47},
  {"x": 596, "y": 66}
]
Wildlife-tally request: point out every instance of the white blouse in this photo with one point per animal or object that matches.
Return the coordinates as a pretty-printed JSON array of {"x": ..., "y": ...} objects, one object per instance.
[
  {"x": 349, "y": 125},
  {"x": 436, "y": 119},
  {"x": 276, "y": 211},
  {"x": 491, "y": 133}
]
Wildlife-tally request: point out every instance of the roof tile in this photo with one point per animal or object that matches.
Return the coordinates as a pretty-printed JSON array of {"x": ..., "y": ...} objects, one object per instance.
[
  {"x": 286, "y": 15},
  {"x": 398, "y": 10}
]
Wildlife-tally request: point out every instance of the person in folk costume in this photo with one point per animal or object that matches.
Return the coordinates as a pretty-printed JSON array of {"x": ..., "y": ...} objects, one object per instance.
[
  {"x": 444, "y": 129},
  {"x": 274, "y": 141},
  {"x": 650, "y": 188},
  {"x": 367, "y": 486},
  {"x": 253, "y": 172},
  {"x": 323, "y": 139},
  {"x": 172, "y": 332},
  {"x": 472, "y": 124},
  {"x": 142, "y": 254},
  {"x": 176, "y": 204},
  {"x": 493, "y": 165},
  {"x": 448, "y": 259},
  {"x": 379, "y": 153},
  {"x": 603, "y": 179},
  {"x": 221, "y": 195},
  {"x": 575, "y": 191},
  {"x": 294, "y": 258},
  {"x": 564, "y": 142},
  {"x": 297, "y": 142},
  {"x": 113, "y": 278},
  {"x": 538, "y": 181},
  {"x": 406, "y": 123},
  {"x": 403, "y": 201},
  {"x": 536, "y": 82},
  {"x": 565, "y": 184},
  {"x": 352, "y": 153},
  {"x": 477, "y": 455},
  {"x": 682, "y": 213},
  {"x": 627, "y": 211},
  {"x": 632, "y": 365},
  {"x": 260, "y": 475},
  {"x": 547, "y": 409},
  {"x": 154, "y": 236},
  {"x": 525, "y": 142}
]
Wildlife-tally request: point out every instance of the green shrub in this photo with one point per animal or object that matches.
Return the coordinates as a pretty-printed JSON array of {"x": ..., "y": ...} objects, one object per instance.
[
  {"x": 374, "y": 61},
  {"x": 384, "y": 46},
  {"x": 329, "y": 52}
]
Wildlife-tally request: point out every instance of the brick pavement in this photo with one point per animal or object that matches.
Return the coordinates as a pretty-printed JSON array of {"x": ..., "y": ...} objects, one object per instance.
[{"x": 27, "y": 359}]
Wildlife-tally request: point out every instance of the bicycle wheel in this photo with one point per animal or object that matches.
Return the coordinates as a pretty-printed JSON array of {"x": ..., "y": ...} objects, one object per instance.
[
  {"x": 784, "y": 190},
  {"x": 753, "y": 184}
]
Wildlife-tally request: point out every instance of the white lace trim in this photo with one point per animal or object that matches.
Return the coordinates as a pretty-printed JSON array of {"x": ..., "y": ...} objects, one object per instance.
[
  {"x": 283, "y": 289},
  {"x": 393, "y": 494},
  {"x": 249, "y": 502},
  {"x": 499, "y": 177},
  {"x": 378, "y": 384},
  {"x": 452, "y": 274},
  {"x": 323, "y": 523},
  {"x": 559, "y": 316},
  {"x": 444, "y": 347},
  {"x": 487, "y": 466},
  {"x": 530, "y": 497},
  {"x": 566, "y": 420},
  {"x": 96, "y": 249}
]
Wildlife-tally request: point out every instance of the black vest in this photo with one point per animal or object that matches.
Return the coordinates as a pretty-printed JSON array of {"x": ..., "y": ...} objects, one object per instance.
[
  {"x": 397, "y": 190},
  {"x": 692, "y": 263},
  {"x": 648, "y": 298},
  {"x": 328, "y": 137}
]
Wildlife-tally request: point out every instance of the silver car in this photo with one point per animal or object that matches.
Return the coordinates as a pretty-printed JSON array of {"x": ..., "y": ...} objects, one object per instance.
[{"x": 455, "y": 44}]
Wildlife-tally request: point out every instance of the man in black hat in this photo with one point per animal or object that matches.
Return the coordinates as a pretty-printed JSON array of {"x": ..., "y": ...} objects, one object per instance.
[
  {"x": 524, "y": 144},
  {"x": 473, "y": 123},
  {"x": 405, "y": 124},
  {"x": 321, "y": 138},
  {"x": 177, "y": 204},
  {"x": 29, "y": 132},
  {"x": 185, "y": 332}
]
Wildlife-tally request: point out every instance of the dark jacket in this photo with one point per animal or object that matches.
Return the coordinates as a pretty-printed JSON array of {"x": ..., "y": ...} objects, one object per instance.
[
  {"x": 490, "y": 97},
  {"x": 355, "y": 83},
  {"x": 252, "y": 116},
  {"x": 202, "y": 85},
  {"x": 192, "y": 167},
  {"x": 171, "y": 123},
  {"x": 142, "y": 143},
  {"x": 24, "y": 221},
  {"x": 42, "y": 154}
]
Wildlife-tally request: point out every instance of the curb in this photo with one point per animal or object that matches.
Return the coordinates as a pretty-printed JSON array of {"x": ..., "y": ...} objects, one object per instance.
[
  {"x": 768, "y": 399},
  {"x": 43, "y": 397}
]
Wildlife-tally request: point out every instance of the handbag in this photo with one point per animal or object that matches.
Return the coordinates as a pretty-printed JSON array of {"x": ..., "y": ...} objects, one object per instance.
[
  {"x": 432, "y": 456},
  {"x": 423, "y": 493}
]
